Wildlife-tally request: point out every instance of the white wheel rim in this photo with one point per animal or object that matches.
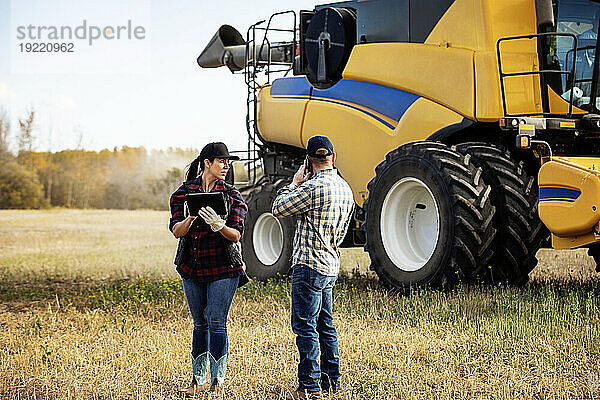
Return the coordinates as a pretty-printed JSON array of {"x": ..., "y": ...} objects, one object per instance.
[
  {"x": 410, "y": 224},
  {"x": 267, "y": 239}
]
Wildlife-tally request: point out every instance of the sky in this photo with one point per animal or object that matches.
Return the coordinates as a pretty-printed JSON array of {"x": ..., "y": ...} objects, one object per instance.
[{"x": 127, "y": 92}]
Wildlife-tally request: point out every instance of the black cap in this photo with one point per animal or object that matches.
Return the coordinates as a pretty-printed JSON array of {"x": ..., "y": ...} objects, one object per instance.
[
  {"x": 317, "y": 143},
  {"x": 216, "y": 150}
]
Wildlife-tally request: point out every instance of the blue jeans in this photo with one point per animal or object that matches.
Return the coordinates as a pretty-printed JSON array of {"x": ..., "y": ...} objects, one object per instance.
[
  {"x": 209, "y": 305},
  {"x": 312, "y": 322}
]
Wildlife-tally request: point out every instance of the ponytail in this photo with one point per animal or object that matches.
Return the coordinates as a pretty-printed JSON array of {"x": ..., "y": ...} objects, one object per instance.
[{"x": 193, "y": 170}]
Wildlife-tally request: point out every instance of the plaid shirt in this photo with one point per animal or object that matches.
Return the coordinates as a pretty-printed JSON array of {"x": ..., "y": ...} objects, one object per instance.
[
  {"x": 205, "y": 259},
  {"x": 323, "y": 206}
]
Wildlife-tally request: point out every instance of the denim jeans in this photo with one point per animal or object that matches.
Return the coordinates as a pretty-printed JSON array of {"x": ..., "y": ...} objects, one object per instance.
[
  {"x": 312, "y": 322},
  {"x": 209, "y": 305}
]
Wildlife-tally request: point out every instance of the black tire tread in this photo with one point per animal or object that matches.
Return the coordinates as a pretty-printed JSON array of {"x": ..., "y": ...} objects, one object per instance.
[
  {"x": 470, "y": 198},
  {"x": 267, "y": 190},
  {"x": 514, "y": 192}
]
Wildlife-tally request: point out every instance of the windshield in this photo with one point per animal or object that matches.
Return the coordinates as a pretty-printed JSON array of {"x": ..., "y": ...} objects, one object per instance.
[{"x": 581, "y": 19}]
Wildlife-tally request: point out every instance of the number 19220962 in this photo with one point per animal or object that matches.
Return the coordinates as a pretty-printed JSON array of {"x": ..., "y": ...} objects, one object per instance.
[{"x": 46, "y": 47}]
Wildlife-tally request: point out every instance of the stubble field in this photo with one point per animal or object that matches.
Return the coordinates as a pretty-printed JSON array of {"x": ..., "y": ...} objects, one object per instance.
[{"x": 91, "y": 307}]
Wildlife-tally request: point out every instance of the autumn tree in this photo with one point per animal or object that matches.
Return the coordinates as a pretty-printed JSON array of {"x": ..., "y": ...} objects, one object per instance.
[
  {"x": 20, "y": 188},
  {"x": 25, "y": 140},
  {"x": 5, "y": 155},
  {"x": 126, "y": 178}
]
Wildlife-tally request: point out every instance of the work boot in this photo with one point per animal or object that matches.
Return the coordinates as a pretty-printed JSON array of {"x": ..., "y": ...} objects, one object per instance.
[{"x": 329, "y": 386}]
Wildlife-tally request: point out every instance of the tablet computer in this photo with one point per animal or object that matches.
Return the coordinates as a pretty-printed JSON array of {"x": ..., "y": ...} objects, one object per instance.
[{"x": 214, "y": 200}]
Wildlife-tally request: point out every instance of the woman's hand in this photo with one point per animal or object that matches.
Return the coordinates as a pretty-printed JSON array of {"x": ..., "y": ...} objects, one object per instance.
[
  {"x": 211, "y": 218},
  {"x": 217, "y": 224},
  {"x": 180, "y": 229}
]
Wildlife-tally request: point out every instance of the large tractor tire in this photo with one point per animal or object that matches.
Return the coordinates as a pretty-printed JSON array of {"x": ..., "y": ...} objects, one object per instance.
[
  {"x": 429, "y": 218},
  {"x": 267, "y": 241},
  {"x": 520, "y": 233}
]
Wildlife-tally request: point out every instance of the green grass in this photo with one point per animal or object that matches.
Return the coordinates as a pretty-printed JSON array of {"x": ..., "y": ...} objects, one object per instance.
[{"x": 91, "y": 307}]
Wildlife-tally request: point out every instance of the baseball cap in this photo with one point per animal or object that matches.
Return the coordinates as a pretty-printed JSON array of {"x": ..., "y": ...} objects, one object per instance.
[
  {"x": 216, "y": 150},
  {"x": 316, "y": 143}
]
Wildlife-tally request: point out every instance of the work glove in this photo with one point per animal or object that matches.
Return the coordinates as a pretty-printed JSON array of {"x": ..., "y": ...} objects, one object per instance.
[{"x": 211, "y": 218}]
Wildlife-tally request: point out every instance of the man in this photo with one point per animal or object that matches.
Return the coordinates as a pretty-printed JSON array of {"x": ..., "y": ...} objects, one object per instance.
[{"x": 322, "y": 203}]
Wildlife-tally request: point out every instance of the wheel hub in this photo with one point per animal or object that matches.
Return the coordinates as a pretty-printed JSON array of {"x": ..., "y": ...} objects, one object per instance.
[
  {"x": 409, "y": 224},
  {"x": 267, "y": 239}
]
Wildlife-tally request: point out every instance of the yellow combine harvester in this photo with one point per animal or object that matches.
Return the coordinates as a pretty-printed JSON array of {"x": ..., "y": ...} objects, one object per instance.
[{"x": 469, "y": 130}]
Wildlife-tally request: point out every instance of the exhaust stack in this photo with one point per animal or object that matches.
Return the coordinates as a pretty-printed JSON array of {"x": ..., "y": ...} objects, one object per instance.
[{"x": 228, "y": 47}]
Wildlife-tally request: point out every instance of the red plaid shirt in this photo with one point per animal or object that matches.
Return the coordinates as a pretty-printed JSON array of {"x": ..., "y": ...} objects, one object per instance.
[{"x": 205, "y": 259}]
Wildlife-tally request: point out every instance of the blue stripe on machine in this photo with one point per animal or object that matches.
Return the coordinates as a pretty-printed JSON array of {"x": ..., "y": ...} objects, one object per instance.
[
  {"x": 549, "y": 193},
  {"x": 356, "y": 108},
  {"x": 388, "y": 101},
  {"x": 384, "y": 100},
  {"x": 297, "y": 86},
  {"x": 341, "y": 104}
]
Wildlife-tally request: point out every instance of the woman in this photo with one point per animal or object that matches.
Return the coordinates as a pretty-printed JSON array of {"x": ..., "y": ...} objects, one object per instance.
[{"x": 209, "y": 282}]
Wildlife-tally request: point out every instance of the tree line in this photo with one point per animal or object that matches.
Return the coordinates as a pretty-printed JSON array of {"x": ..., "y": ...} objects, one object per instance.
[{"x": 124, "y": 178}]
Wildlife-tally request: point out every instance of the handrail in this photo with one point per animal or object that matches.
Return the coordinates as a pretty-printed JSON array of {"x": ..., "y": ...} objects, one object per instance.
[
  {"x": 540, "y": 72},
  {"x": 253, "y": 65}
]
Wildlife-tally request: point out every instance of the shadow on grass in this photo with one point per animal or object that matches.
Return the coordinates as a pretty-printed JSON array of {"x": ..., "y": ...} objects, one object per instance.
[{"x": 34, "y": 292}]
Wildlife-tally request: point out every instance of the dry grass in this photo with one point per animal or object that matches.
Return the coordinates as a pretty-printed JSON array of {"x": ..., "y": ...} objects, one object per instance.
[{"x": 90, "y": 307}]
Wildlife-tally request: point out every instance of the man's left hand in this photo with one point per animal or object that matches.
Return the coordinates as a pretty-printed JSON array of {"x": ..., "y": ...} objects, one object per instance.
[{"x": 211, "y": 218}]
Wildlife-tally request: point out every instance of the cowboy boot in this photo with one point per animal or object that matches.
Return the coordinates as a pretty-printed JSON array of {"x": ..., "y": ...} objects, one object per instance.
[
  {"x": 199, "y": 383},
  {"x": 217, "y": 372}
]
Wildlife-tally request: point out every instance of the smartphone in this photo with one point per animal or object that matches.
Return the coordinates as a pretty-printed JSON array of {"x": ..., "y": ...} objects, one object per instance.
[{"x": 308, "y": 166}]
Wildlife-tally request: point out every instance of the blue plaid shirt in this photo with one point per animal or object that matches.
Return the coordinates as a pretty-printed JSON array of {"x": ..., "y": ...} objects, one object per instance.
[{"x": 323, "y": 206}]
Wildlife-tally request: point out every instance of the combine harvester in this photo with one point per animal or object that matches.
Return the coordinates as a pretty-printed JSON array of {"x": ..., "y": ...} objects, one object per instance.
[{"x": 469, "y": 130}]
